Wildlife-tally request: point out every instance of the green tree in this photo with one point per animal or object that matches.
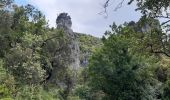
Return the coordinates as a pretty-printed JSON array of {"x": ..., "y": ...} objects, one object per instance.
[
  {"x": 150, "y": 8},
  {"x": 118, "y": 74}
]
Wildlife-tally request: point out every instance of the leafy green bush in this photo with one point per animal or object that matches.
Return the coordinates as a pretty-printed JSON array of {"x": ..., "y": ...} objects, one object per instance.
[
  {"x": 117, "y": 74},
  {"x": 83, "y": 91},
  {"x": 4, "y": 92},
  {"x": 34, "y": 93}
]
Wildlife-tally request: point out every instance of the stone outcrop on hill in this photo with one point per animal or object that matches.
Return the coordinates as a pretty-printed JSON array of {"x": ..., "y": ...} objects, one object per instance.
[
  {"x": 65, "y": 59},
  {"x": 71, "y": 53}
]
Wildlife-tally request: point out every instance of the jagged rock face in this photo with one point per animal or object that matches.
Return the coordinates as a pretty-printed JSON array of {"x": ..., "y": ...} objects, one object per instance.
[
  {"x": 64, "y": 21},
  {"x": 72, "y": 53},
  {"x": 67, "y": 57},
  {"x": 145, "y": 26}
]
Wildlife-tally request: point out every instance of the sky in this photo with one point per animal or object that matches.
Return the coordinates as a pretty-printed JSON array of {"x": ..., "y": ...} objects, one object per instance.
[{"x": 85, "y": 14}]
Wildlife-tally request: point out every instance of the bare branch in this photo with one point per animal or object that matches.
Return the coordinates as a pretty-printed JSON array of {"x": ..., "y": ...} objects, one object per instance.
[
  {"x": 106, "y": 4},
  {"x": 165, "y": 22},
  {"x": 167, "y": 17},
  {"x": 119, "y": 5},
  {"x": 161, "y": 52},
  {"x": 45, "y": 41}
]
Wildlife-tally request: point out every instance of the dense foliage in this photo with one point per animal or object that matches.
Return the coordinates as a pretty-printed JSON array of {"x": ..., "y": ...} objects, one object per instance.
[
  {"x": 88, "y": 45},
  {"x": 130, "y": 62}
]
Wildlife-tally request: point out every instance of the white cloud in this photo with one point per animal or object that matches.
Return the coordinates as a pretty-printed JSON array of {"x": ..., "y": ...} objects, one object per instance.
[{"x": 84, "y": 14}]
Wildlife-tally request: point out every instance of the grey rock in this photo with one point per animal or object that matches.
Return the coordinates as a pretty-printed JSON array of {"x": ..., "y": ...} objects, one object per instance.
[{"x": 72, "y": 47}]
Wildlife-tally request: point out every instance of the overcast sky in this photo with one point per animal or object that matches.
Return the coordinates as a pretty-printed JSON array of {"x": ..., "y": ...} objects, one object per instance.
[{"x": 85, "y": 13}]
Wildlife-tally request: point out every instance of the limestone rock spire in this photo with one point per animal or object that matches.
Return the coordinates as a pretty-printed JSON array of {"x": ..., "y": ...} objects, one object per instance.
[{"x": 64, "y": 22}]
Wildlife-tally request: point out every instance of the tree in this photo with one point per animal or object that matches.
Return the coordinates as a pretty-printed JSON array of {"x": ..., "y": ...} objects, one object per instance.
[
  {"x": 118, "y": 74},
  {"x": 146, "y": 38},
  {"x": 150, "y": 8},
  {"x": 24, "y": 62},
  {"x": 22, "y": 37},
  {"x": 5, "y": 24},
  {"x": 5, "y": 3}
]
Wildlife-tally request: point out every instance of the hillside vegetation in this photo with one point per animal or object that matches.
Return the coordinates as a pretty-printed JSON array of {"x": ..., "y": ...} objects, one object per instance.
[
  {"x": 130, "y": 62},
  {"x": 88, "y": 44}
]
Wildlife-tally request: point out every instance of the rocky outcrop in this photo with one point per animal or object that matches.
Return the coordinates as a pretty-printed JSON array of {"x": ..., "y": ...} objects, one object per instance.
[
  {"x": 71, "y": 52},
  {"x": 65, "y": 56}
]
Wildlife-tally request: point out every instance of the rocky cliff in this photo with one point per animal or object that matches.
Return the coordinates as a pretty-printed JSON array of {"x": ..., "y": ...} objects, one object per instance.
[
  {"x": 65, "y": 55},
  {"x": 71, "y": 52}
]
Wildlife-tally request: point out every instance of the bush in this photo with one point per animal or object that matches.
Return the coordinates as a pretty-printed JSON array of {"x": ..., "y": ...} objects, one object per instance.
[
  {"x": 83, "y": 92},
  {"x": 34, "y": 93}
]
